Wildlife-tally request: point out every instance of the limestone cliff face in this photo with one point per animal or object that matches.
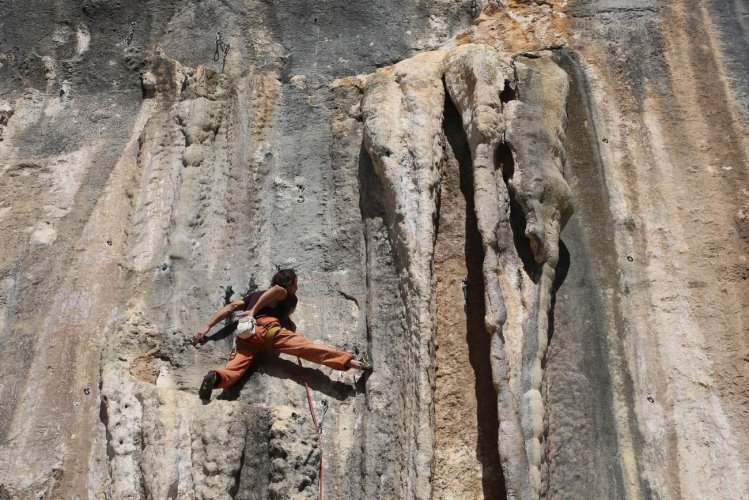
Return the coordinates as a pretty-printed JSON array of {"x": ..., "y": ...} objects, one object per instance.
[{"x": 533, "y": 216}]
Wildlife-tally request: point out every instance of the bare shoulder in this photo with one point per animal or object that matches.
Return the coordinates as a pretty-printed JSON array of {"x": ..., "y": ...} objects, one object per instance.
[{"x": 279, "y": 292}]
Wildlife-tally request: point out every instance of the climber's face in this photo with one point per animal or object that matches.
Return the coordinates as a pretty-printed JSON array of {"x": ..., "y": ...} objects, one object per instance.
[{"x": 292, "y": 288}]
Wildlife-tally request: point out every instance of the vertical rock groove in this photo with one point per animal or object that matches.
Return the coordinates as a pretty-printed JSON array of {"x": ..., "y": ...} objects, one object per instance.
[
  {"x": 513, "y": 116},
  {"x": 583, "y": 360},
  {"x": 462, "y": 360},
  {"x": 402, "y": 110},
  {"x": 385, "y": 452},
  {"x": 517, "y": 304},
  {"x": 457, "y": 465}
]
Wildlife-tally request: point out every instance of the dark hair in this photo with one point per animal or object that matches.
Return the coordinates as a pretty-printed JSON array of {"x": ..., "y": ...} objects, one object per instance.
[{"x": 284, "y": 278}]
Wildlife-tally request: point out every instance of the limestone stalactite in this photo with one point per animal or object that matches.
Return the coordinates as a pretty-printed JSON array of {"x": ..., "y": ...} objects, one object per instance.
[
  {"x": 513, "y": 113},
  {"x": 402, "y": 112},
  {"x": 389, "y": 152}
]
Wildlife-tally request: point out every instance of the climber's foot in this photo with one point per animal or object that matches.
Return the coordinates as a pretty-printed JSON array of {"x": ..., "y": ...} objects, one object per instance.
[
  {"x": 363, "y": 364},
  {"x": 209, "y": 382}
]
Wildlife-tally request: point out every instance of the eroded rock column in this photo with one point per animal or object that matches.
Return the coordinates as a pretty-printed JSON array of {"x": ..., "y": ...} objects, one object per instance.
[
  {"x": 513, "y": 115},
  {"x": 402, "y": 111}
]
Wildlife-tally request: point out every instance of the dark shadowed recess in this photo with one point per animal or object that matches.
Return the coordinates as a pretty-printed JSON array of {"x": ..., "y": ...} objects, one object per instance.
[
  {"x": 585, "y": 330},
  {"x": 563, "y": 267},
  {"x": 476, "y": 336},
  {"x": 504, "y": 160}
]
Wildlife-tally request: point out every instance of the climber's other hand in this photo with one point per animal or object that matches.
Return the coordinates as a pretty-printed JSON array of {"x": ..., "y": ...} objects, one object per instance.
[{"x": 200, "y": 334}]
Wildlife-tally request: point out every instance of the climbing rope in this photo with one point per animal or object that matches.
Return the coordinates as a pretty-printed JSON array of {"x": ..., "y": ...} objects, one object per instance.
[{"x": 318, "y": 427}]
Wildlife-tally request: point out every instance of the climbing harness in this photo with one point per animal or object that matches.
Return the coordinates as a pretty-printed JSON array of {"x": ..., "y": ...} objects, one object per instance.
[
  {"x": 318, "y": 426},
  {"x": 221, "y": 48},
  {"x": 246, "y": 328}
]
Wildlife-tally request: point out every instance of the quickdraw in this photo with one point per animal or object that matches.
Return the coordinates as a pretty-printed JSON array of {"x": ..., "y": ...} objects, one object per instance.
[
  {"x": 221, "y": 48},
  {"x": 464, "y": 287}
]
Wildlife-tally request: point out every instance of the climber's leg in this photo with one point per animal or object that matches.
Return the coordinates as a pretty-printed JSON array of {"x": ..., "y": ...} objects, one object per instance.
[
  {"x": 289, "y": 342},
  {"x": 236, "y": 366}
]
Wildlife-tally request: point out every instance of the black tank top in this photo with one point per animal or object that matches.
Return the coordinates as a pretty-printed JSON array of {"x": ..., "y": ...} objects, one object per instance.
[{"x": 279, "y": 309}]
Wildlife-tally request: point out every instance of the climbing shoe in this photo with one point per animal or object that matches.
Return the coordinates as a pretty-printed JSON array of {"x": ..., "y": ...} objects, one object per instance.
[
  {"x": 367, "y": 365},
  {"x": 209, "y": 382}
]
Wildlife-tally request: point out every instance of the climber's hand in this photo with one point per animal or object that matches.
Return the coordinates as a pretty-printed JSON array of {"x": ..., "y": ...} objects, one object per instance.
[{"x": 200, "y": 334}]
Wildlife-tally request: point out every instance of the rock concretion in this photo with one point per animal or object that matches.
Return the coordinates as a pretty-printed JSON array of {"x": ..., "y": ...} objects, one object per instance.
[
  {"x": 514, "y": 119},
  {"x": 406, "y": 158},
  {"x": 402, "y": 113}
]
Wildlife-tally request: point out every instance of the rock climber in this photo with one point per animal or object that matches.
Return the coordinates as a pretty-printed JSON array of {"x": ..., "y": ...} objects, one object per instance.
[{"x": 271, "y": 309}]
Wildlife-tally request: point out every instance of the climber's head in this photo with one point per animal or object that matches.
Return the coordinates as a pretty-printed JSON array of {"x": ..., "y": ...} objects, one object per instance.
[{"x": 286, "y": 278}]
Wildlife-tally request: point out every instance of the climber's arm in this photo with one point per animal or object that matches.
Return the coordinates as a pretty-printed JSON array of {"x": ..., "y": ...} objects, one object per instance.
[{"x": 220, "y": 315}]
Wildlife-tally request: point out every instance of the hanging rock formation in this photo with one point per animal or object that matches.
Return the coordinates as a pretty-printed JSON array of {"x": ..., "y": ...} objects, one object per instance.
[
  {"x": 402, "y": 110},
  {"x": 418, "y": 164},
  {"x": 514, "y": 117}
]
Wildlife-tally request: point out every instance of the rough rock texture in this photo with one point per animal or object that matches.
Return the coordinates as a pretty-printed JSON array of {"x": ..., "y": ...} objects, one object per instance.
[
  {"x": 402, "y": 112},
  {"x": 418, "y": 163},
  {"x": 671, "y": 153},
  {"x": 513, "y": 114}
]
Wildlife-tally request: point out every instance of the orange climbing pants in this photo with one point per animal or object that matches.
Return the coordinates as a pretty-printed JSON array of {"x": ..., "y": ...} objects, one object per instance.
[{"x": 284, "y": 341}]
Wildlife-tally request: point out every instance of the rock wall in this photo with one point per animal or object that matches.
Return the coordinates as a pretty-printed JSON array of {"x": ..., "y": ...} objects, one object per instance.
[{"x": 531, "y": 214}]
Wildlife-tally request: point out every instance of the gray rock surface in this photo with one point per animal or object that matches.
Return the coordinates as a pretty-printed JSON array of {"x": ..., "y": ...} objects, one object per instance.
[{"x": 387, "y": 151}]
